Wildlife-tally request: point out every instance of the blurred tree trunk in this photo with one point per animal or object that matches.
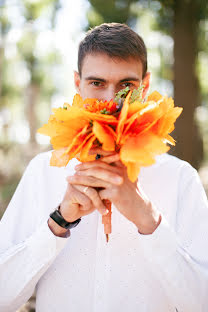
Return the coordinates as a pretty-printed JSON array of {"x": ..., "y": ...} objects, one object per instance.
[
  {"x": 186, "y": 89},
  {"x": 32, "y": 94}
]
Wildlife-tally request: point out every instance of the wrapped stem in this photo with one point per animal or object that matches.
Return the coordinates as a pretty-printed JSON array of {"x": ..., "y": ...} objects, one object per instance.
[{"x": 106, "y": 220}]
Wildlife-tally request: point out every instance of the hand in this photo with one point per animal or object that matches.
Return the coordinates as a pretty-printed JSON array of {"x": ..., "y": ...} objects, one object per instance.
[
  {"x": 75, "y": 205},
  {"x": 128, "y": 197},
  {"x": 79, "y": 201}
]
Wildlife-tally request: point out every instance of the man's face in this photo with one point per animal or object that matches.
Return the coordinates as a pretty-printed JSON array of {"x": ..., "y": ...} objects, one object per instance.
[{"x": 103, "y": 76}]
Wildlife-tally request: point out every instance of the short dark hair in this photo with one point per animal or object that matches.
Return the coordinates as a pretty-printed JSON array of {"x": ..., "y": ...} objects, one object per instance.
[{"x": 115, "y": 40}]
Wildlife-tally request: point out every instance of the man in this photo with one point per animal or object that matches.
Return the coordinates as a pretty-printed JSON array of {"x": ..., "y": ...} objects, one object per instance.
[{"x": 156, "y": 259}]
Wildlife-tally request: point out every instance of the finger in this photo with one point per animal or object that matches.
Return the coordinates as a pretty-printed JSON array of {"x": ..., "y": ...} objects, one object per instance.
[
  {"x": 97, "y": 150},
  {"x": 120, "y": 164},
  {"x": 111, "y": 158},
  {"x": 95, "y": 198},
  {"x": 83, "y": 208},
  {"x": 80, "y": 179},
  {"x": 97, "y": 163},
  {"x": 103, "y": 174},
  {"x": 108, "y": 157},
  {"x": 77, "y": 197}
]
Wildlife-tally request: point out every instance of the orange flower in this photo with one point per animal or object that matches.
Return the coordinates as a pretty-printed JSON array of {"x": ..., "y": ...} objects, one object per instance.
[
  {"x": 139, "y": 132},
  {"x": 74, "y": 129},
  {"x": 143, "y": 131}
]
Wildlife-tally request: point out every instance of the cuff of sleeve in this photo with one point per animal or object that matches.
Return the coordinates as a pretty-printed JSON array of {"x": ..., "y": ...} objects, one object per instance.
[
  {"x": 161, "y": 244},
  {"x": 60, "y": 241},
  {"x": 45, "y": 242}
]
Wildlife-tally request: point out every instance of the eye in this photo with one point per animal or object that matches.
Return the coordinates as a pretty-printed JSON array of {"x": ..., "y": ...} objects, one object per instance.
[
  {"x": 96, "y": 83},
  {"x": 127, "y": 84}
]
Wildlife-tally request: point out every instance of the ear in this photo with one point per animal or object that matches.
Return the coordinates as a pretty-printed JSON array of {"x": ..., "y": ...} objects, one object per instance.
[
  {"x": 146, "y": 83},
  {"x": 77, "y": 81}
]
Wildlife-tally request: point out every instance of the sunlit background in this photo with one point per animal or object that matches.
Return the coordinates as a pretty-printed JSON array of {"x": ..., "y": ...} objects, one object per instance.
[{"x": 38, "y": 54}]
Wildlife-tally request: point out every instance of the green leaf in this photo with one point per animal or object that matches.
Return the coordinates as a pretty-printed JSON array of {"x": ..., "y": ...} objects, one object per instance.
[
  {"x": 136, "y": 94},
  {"x": 104, "y": 111},
  {"x": 121, "y": 94}
]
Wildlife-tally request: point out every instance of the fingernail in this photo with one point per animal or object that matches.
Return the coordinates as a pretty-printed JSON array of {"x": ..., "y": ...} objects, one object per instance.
[{"x": 105, "y": 212}]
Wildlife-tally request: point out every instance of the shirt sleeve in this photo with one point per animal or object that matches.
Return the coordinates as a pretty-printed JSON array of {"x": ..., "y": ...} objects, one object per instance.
[
  {"x": 178, "y": 255},
  {"x": 27, "y": 245}
]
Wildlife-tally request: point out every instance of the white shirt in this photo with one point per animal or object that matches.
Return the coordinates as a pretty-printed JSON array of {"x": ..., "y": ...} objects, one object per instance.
[{"x": 166, "y": 271}]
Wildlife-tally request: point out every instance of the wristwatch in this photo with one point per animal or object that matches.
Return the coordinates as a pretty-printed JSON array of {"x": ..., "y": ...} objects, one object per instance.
[{"x": 57, "y": 217}]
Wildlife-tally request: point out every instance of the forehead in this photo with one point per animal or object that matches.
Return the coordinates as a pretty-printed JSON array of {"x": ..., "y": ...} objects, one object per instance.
[{"x": 110, "y": 68}]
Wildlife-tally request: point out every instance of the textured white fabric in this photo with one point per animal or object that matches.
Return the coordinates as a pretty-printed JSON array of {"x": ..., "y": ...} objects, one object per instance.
[{"x": 166, "y": 271}]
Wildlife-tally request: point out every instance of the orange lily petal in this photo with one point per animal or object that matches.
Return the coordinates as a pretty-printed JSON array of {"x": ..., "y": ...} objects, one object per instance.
[
  {"x": 66, "y": 106},
  {"x": 136, "y": 107},
  {"x": 165, "y": 125},
  {"x": 76, "y": 139},
  {"x": 130, "y": 122},
  {"x": 58, "y": 158},
  {"x": 61, "y": 141},
  {"x": 84, "y": 154},
  {"x": 124, "y": 138},
  {"x": 78, "y": 147},
  {"x": 154, "y": 96},
  {"x": 104, "y": 136},
  {"x": 49, "y": 128},
  {"x": 111, "y": 131},
  {"x": 133, "y": 170},
  {"x": 170, "y": 140},
  {"x": 142, "y": 149},
  {"x": 78, "y": 101},
  {"x": 73, "y": 113},
  {"x": 122, "y": 117},
  {"x": 109, "y": 119},
  {"x": 142, "y": 121}
]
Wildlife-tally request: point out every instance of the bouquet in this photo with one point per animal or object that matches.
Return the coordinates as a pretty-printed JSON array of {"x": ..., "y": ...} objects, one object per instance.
[{"x": 136, "y": 128}]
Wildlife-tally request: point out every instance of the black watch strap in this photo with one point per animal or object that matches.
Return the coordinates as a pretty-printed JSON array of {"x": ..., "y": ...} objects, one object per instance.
[{"x": 57, "y": 217}]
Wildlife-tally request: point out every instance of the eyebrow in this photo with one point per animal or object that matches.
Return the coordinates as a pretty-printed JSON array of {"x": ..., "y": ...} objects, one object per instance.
[
  {"x": 130, "y": 79},
  {"x": 103, "y": 80},
  {"x": 95, "y": 78}
]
